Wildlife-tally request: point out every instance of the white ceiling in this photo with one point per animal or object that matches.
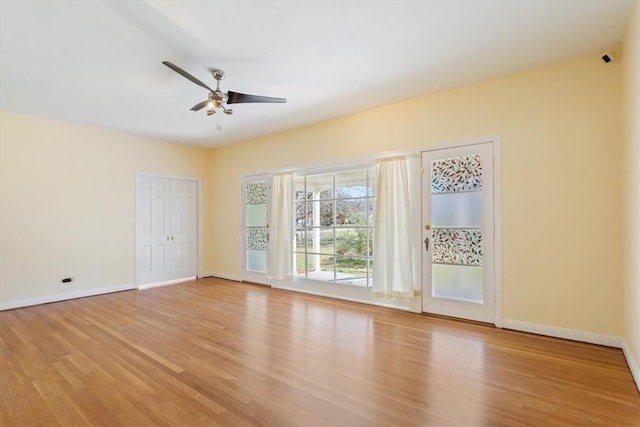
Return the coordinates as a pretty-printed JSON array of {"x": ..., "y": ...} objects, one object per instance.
[{"x": 99, "y": 62}]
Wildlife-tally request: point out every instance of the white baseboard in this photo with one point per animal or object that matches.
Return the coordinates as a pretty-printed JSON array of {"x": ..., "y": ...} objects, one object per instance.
[
  {"x": 341, "y": 298},
  {"x": 167, "y": 283},
  {"x": 631, "y": 361},
  {"x": 232, "y": 277},
  {"x": 565, "y": 333},
  {"x": 8, "y": 305},
  {"x": 575, "y": 335}
]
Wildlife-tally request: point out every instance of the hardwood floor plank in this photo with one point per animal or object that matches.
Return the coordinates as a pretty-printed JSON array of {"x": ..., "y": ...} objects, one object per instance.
[
  {"x": 218, "y": 353},
  {"x": 61, "y": 407}
]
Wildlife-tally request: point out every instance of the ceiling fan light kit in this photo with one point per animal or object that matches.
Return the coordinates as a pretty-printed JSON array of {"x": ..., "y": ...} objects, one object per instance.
[{"x": 217, "y": 99}]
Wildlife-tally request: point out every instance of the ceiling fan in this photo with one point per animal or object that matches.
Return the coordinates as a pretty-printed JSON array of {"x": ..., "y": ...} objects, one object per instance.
[{"x": 217, "y": 99}]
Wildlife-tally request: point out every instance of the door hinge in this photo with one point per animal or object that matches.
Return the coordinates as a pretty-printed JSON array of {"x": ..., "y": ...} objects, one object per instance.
[{"x": 421, "y": 171}]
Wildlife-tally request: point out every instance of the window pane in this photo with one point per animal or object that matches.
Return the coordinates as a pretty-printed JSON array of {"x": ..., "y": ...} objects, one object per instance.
[
  {"x": 326, "y": 195},
  {"x": 320, "y": 240},
  {"x": 351, "y": 212},
  {"x": 351, "y": 269},
  {"x": 326, "y": 213},
  {"x": 299, "y": 239},
  {"x": 353, "y": 241},
  {"x": 322, "y": 267},
  {"x": 300, "y": 265},
  {"x": 320, "y": 213},
  {"x": 352, "y": 192},
  {"x": 457, "y": 282},
  {"x": 356, "y": 177},
  {"x": 351, "y": 184},
  {"x": 312, "y": 238},
  {"x": 298, "y": 188},
  {"x": 371, "y": 212},
  {"x": 304, "y": 214},
  {"x": 322, "y": 184}
]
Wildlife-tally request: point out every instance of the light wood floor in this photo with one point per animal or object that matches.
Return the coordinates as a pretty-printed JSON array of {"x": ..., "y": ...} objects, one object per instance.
[{"x": 214, "y": 352}]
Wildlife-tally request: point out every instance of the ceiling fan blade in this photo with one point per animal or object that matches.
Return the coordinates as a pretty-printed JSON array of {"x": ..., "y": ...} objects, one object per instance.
[
  {"x": 239, "y": 98},
  {"x": 186, "y": 75},
  {"x": 200, "y": 105}
]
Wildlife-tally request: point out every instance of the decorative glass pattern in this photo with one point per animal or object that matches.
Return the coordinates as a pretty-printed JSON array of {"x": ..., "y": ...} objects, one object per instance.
[
  {"x": 256, "y": 193},
  {"x": 456, "y": 174},
  {"x": 457, "y": 246},
  {"x": 257, "y": 238}
]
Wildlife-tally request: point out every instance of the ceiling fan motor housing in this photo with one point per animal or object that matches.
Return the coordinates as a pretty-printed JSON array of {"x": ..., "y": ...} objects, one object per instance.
[{"x": 217, "y": 74}]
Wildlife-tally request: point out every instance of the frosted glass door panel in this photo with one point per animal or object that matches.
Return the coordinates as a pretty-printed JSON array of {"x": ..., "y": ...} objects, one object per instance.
[
  {"x": 457, "y": 209},
  {"x": 256, "y": 261},
  {"x": 256, "y": 215},
  {"x": 457, "y": 282}
]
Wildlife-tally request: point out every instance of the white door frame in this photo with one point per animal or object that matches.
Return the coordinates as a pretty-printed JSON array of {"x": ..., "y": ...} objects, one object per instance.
[
  {"x": 497, "y": 215},
  {"x": 198, "y": 233}
]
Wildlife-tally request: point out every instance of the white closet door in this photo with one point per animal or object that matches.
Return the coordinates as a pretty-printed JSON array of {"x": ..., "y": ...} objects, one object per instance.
[
  {"x": 152, "y": 224},
  {"x": 184, "y": 228},
  {"x": 166, "y": 229}
]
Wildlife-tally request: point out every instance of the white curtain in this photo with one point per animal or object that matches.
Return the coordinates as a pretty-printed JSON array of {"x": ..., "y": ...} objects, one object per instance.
[
  {"x": 280, "y": 248},
  {"x": 392, "y": 250}
]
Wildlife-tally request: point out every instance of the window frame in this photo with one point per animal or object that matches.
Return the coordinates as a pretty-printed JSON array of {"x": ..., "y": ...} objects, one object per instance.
[{"x": 307, "y": 226}]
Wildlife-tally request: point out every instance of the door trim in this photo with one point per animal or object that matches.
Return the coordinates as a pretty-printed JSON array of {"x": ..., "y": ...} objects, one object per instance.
[
  {"x": 497, "y": 231},
  {"x": 199, "y": 222},
  {"x": 497, "y": 215}
]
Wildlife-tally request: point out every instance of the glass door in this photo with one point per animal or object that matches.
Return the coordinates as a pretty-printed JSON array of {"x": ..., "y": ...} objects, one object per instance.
[
  {"x": 457, "y": 217},
  {"x": 255, "y": 196}
]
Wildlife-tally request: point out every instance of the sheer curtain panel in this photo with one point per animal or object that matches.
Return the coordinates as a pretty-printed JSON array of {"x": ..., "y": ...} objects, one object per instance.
[
  {"x": 392, "y": 251},
  {"x": 279, "y": 252}
]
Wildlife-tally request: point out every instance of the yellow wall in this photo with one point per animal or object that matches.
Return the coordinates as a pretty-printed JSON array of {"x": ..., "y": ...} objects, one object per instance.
[
  {"x": 561, "y": 142},
  {"x": 631, "y": 100},
  {"x": 67, "y": 203}
]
